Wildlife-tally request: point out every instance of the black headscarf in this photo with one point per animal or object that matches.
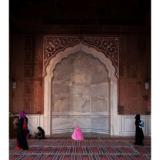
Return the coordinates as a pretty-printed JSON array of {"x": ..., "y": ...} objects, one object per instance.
[{"x": 137, "y": 117}]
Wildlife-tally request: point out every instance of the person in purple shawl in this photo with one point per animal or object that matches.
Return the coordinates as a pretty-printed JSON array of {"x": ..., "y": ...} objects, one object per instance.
[{"x": 22, "y": 132}]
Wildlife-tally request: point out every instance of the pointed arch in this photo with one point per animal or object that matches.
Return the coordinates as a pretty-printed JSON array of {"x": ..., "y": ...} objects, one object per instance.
[{"x": 111, "y": 74}]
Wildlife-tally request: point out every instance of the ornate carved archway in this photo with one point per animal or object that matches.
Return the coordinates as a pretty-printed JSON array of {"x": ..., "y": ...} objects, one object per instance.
[
  {"x": 109, "y": 46},
  {"x": 104, "y": 49}
]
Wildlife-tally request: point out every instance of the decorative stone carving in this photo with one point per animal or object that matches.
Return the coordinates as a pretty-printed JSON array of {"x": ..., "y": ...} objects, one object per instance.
[
  {"x": 107, "y": 45},
  {"x": 55, "y": 44}
]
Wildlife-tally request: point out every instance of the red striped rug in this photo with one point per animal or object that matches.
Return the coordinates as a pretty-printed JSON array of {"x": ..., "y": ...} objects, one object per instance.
[{"x": 89, "y": 149}]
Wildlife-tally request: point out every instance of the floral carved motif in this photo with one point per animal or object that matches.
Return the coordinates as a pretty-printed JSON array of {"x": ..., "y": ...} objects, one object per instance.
[{"x": 109, "y": 46}]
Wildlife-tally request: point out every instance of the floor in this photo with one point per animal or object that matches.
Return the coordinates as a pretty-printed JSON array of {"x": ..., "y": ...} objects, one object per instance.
[{"x": 92, "y": 148}]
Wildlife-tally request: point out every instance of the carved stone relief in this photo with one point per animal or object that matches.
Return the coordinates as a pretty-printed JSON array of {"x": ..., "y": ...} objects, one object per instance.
[{"x": 109, "y": 46}]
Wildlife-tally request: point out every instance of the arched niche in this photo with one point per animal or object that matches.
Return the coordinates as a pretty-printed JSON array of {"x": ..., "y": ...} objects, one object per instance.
[{"x": 48, "y": 84}]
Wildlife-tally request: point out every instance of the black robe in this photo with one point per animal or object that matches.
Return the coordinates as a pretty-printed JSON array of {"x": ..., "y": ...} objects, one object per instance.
[
  {"x": 40, "y": 134},
  {"x": 139, "y": 136},
  {"x": 22, "y": 134}
]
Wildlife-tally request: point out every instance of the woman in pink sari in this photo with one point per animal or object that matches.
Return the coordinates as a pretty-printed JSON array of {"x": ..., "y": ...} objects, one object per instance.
[{"x": 77, "y": 134}]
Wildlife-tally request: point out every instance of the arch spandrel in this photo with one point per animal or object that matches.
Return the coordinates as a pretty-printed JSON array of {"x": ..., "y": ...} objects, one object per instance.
[{"x": 109, "y": 46}]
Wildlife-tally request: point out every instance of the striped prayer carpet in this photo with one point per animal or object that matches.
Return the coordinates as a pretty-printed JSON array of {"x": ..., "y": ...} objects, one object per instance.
[{"x": 89, "y": 149}]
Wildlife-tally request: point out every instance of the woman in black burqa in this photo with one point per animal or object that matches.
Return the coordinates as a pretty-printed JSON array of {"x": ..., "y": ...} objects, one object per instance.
[
  {"x": 139, "y": 136},
  {"x": 22, "y": 131}
]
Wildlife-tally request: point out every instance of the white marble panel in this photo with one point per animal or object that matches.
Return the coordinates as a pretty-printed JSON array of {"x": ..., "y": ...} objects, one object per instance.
[
  {"x": 100, "y": 97},
  {"x": 101, "y": 124},
  {"x": 65, "y": 124},
  {"x": 80, "y": 98},
  {"x": 97, "y": 122},
  {"x": 148, "y": 125},
  {"x": 127, "y": 125},
  {"x": 33, "y": 122}
]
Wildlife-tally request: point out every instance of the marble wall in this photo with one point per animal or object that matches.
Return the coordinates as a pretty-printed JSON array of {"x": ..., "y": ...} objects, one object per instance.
[
  {"x": 126, "y": 124},
  {"x": 80, "y": 94}
]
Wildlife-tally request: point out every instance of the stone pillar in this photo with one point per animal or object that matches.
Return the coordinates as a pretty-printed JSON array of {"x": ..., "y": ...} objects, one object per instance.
[
  {"x": 114, "y": 108},
  {"x": 47, "y": 105}
]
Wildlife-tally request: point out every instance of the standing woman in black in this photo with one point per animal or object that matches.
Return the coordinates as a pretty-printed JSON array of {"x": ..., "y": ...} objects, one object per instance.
[
  {"x": 22, "y": 131},
  {"x": 139, "y": 136}
]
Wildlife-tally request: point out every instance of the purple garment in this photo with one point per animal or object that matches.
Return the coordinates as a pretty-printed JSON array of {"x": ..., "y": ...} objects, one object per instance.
[{"x": 22, "y": 115}]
